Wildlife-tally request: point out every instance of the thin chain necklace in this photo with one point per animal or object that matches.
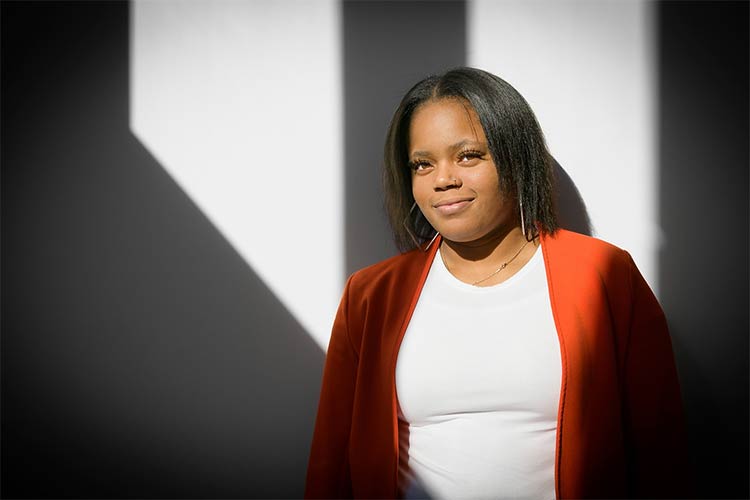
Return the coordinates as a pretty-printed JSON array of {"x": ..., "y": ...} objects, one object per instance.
[{"x": 493, "y": 273}]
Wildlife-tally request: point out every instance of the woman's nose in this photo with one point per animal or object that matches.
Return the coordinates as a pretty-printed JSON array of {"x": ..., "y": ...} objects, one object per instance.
[{"x": 447, "y": 177}]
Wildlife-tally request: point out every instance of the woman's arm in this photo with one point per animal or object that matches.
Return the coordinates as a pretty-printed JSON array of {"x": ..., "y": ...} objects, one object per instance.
[
  {"x": 659, "y": 466},
  {"x": 328, "y": 468}
]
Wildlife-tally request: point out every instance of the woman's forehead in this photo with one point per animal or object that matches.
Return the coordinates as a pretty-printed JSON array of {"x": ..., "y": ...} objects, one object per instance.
[{"x": 444, "y": 123}]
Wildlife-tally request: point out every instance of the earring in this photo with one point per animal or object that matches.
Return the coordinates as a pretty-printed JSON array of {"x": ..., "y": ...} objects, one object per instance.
[
  {"x": 417, "y": 240},
  {"x": 431, "y": 241},
  {"x": 523, "y": 223}
]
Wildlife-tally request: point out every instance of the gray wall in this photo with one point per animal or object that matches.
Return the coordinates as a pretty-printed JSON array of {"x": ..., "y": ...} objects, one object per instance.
[
  {"x": 703, "y": 204},
  {"x": 142, "y": 357},
  {"x": 385, "y": 53}
]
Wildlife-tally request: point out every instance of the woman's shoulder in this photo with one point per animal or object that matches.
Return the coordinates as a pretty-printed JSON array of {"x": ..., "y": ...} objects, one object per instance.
[
  {"x": 399, "y": 268},
  {"x": 580, "y": 247},
  {"x": 580, "y": 257},
  {"x": 396, "y": 264}
]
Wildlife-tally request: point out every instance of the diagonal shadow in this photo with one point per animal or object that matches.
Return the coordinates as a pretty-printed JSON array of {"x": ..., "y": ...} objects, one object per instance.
[{"x": 141, "y": 356}]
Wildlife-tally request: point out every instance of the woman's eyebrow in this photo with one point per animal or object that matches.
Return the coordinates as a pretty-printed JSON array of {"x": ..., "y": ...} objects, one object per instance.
[
  {"x": 452, "y": 147},
  {"x": 466, "y": 142}
]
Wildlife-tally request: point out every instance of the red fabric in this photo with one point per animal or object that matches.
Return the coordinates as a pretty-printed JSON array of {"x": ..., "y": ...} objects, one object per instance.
[{"x": 620, "y": 426}]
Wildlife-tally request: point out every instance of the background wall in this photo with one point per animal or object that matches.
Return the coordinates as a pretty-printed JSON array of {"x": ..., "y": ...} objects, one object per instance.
[{"x": 150, "y": 348}]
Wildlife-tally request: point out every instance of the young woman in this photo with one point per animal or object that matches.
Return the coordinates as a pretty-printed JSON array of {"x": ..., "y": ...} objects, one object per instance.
[{"x": 499, "y": 356}]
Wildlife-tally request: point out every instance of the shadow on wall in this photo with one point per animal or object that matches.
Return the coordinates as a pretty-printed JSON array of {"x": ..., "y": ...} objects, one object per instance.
[
  {"x": 703, "y": 209},
  {"x": 571, "y": 210},
  {"x": 385, "y": 53},
  {"x": 141, "y": 357}
]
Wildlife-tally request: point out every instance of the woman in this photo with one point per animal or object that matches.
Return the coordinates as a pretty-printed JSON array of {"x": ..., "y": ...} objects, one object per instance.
[{"x": 499, "y": 356}]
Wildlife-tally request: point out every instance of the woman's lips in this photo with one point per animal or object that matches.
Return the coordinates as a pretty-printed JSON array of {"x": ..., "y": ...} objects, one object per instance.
[{"x": 452, "y": 207}]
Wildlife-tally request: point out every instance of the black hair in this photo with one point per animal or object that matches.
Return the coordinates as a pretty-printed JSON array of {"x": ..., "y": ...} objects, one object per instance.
[{"x": 514, "y": 138}]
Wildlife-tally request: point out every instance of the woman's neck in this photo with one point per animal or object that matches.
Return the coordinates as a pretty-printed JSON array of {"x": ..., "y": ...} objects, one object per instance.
[{"x": 474, "y": 261}]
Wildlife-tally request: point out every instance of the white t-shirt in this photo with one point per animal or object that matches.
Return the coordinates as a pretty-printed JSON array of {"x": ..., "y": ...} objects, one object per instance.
[{"x": 478, "y": 381}]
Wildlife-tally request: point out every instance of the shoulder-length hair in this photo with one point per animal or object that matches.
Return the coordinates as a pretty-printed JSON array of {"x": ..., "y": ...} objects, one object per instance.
[{"x": 514, "y": 138}]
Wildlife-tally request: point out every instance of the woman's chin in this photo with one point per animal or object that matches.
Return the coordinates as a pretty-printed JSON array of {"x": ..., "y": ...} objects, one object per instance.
[
  {"x": 460, "y": 236},
  {"x": 473, "y": 235}
]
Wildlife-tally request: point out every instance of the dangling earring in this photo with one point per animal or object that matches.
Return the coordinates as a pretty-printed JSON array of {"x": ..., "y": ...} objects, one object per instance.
[
  {"x": 523, "y": 222},
  {"x": 414, "y": 237},
  {"x": 431, "y": 241}
]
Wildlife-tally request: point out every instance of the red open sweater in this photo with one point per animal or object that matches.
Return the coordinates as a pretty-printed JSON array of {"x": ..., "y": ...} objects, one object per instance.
[{"x": 620, "y": 429}]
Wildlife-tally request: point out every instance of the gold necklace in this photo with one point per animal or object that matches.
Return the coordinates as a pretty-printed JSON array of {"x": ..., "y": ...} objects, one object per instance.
[{"x": 505, "y": 264}]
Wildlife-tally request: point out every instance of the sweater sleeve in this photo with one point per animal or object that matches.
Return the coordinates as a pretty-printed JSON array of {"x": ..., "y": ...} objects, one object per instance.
[
  {"x": 658, "y": 461},
  {"x": 328, "y": 474}
]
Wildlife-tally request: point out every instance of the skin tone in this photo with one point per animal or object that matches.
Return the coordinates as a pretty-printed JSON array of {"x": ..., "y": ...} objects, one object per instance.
[{"x": 456, "y": 186}]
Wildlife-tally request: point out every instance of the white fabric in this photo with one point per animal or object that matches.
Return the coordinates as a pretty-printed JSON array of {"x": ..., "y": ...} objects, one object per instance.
[{"x": 478, "y": 382}]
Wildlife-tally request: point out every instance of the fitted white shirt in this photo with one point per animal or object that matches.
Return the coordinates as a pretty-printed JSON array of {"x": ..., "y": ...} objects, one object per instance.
[{"x": 478, "y": 382}]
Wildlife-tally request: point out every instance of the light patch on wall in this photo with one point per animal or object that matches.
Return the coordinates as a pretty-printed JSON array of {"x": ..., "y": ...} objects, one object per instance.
[
  {"x": 586, "y": 67},
  {"x": 241, "y": 104}
]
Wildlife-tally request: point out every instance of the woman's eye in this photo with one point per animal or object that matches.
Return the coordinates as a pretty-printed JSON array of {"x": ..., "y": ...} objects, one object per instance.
[
  {"x": 419, "y": 166},
  {"x": 468, "y": 156}
]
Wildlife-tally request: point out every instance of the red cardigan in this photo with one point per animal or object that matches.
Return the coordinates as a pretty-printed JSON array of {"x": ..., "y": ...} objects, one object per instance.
[{"x": 620, "y": 429}]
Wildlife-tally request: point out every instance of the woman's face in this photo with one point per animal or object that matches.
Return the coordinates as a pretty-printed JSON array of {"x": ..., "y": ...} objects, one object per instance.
[{"x": 454, "y": 179}]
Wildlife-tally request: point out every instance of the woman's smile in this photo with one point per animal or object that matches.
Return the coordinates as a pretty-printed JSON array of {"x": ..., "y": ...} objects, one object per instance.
[{"x": 452, "y": 206}]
